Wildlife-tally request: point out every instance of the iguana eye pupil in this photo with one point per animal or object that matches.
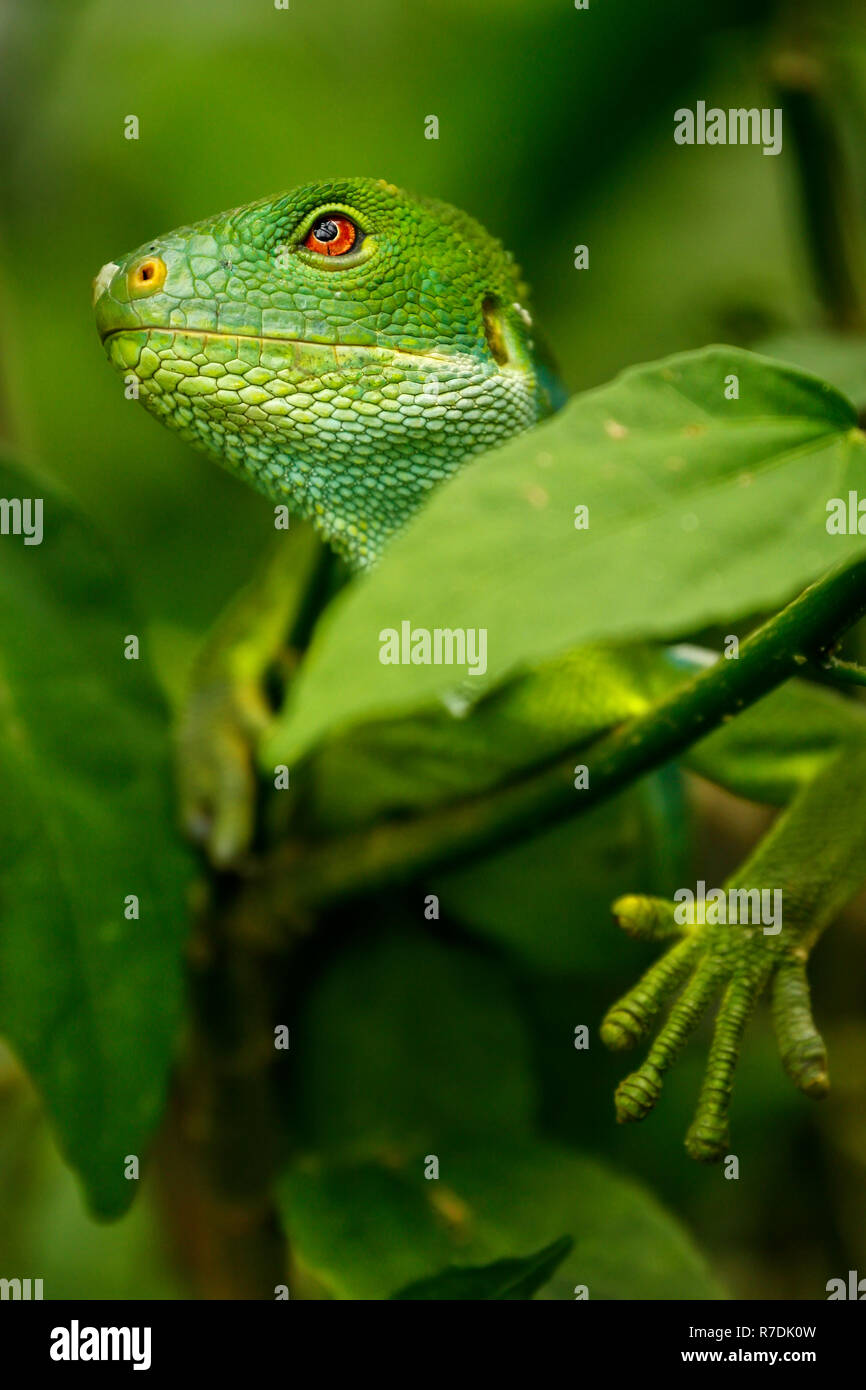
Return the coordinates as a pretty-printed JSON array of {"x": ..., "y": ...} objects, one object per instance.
[{"x": 332, "y": 235}]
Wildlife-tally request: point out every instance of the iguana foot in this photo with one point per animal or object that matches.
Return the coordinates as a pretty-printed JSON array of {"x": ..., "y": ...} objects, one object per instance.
[{"x": 737, "y": 960}]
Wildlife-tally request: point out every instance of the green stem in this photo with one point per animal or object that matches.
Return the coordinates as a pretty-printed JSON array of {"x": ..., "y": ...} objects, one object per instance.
[
  {"x": 218, "y": 1149},
  {"x": 326, "y": 577},
  {"x": 841, "y": 673},
  {"x": 825, "y": 187},
  {"x": 315, "y": 874}
]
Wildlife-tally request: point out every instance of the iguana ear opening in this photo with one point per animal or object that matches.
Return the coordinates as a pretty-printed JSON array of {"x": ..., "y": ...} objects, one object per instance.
[{"x": 494, "y": 330}]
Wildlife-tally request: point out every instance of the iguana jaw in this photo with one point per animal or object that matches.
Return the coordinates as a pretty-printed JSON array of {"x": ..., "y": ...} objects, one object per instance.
[
  {"x": 353, "y": 437},
  {"x": 206, "y": 335}
]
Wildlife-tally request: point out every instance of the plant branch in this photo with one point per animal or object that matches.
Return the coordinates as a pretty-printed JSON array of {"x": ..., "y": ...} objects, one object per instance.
[
  {"x": 218, "y": 1149},
  {"x": 825, "y": 186},
  {"x": 313, "y": 874},
  {"x": 841, "y": 673}
]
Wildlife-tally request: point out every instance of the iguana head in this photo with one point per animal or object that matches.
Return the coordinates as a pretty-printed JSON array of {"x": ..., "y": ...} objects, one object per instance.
[{"x": 343, "y": 347}]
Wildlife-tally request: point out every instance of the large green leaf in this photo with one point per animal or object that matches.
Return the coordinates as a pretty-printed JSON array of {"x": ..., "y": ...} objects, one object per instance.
[
  {"x": 414, "y": 1048},
  {"x": 502, "y": 1280},
  {"x": 701, "y": 510},
  {"x": 90, "y": 1000},
  {"x": 365, "y": 1229}
]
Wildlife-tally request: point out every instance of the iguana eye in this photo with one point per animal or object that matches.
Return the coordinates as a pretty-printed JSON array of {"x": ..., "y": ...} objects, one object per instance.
[
  {"x": 333, "y": 234},
  {"x": 147, "y": 276}
]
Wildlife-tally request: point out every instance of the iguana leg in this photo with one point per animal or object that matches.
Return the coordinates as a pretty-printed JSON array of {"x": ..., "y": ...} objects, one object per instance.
[
  {"x": 265, "y": 628},
  {"x": 815, "y": 854}
]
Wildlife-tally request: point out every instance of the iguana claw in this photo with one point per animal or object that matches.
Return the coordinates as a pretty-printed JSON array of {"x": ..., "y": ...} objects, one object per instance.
[
  {"x": 738, "y": 960},
  {"x": 813, "y": 857}
]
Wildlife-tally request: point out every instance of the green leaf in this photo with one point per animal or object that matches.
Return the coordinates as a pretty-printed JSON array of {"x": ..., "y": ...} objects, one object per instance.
[
  {"x": 779, "y": 744},
  {"x": 839, "y": 358},
  {"x": 363, "y": 1229},
  {"x": 91, "y": 1001},
  {"x": 504, "y": 1279},
  {"x": 414, "y": 1048},
  {"x": 701, "y": 510}
]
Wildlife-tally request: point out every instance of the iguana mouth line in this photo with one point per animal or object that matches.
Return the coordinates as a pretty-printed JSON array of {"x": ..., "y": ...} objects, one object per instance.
[{"x": 205, "y": 333}]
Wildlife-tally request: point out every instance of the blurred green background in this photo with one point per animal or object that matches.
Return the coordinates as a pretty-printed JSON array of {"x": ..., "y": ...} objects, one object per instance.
[{"x": 555, "y": 129}]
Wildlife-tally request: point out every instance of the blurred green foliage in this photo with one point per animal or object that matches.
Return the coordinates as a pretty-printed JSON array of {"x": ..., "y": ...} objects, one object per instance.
[
  {"x": 504, "y": 1279},
  {"x": 555, "y": 130},
  {"x": 93, "y": 878}
]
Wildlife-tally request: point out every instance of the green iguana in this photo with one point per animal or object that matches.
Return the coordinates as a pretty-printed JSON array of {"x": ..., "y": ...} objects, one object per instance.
[{"x": 345, "y": 348}]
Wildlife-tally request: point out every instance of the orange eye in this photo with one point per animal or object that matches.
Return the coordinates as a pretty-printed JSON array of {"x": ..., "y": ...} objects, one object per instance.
[
  {"x": 332, "y": 235},
  {"x": 148, "y": 276}
]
